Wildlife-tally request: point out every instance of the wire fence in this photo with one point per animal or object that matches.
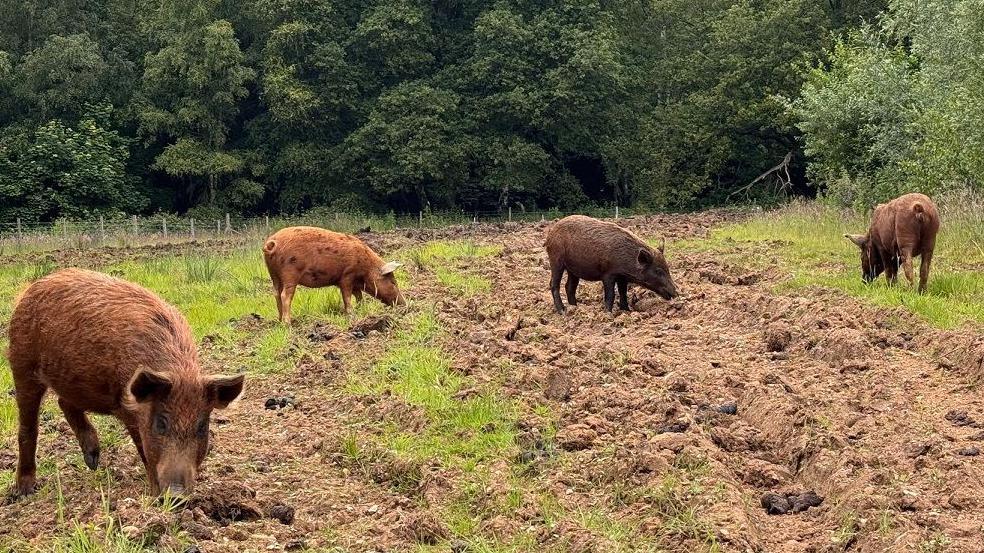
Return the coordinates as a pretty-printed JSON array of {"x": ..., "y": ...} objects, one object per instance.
[{"x": 19, "y": 236}]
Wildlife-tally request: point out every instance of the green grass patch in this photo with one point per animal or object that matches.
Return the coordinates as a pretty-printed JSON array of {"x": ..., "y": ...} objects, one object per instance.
[
  {"x": 452, "y": 263},
  {"x": 806, "y": 240}
]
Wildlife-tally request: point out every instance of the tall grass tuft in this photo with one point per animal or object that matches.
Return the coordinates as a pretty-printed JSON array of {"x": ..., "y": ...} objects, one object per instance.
[{"x": 201, "y": 269}]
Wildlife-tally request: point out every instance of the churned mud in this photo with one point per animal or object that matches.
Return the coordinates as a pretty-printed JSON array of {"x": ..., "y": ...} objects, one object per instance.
[{"x": 802, "y": 422}]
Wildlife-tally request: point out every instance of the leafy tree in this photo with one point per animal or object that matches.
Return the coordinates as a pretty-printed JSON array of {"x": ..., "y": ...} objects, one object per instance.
[
  {"x": 190, "y": 94},
  {"x": 62, "y": 171}
]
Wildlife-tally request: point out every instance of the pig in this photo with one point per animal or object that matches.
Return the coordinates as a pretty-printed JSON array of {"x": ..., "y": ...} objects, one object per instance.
[
  {"x": 593, "y": 250},
  {"x": 104, "y": 345},
  {"x": 315, "y": 257},
  {"x": 901, "y": 229}
]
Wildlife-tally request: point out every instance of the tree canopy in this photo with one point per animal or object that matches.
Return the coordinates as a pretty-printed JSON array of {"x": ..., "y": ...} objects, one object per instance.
[{"x": 266, "y": 106}]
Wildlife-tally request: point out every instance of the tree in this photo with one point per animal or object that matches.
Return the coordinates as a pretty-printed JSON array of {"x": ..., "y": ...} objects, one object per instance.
[
  {"x": 62, "y": 171},
  {"x": 190, "y": 97}
]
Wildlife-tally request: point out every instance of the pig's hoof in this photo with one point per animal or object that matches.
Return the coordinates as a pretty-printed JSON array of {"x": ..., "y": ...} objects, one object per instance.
[
  {"x": 26, "y": 485},
  {"x": 91, "y": 459}
]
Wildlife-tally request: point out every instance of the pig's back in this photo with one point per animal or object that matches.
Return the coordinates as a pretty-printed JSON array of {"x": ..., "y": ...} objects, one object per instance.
[
  {"x": 589, "y": 247},
  {"x": 85, "y": 333},
  {"x": 317, "y": 256}
]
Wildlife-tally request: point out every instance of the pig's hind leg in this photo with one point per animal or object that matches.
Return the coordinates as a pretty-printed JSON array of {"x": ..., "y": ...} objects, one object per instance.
[
  {"x": 571, "y": 287},
  {"x": 556, "y": 274},
  {"x": 84, "y": 432},
  {"x": 29, "y": 392}
]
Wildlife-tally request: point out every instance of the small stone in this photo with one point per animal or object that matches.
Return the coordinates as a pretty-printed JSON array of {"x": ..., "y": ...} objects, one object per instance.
[
  {"x": 272, "y": 403},
  {"x": 917, "y": 449},
  {"x": 971, "y": 451},
  {"x": 775, "y": 504},
  {"x": 459, "y": 546},
  {"x": 192, "y": 549},
  {"x": 730, "y": 408},
  {"x": 198, "y": 530}
]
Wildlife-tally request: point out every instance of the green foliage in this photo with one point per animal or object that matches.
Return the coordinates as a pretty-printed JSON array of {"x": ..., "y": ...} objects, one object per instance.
[
  {"x": 285, "y": 105},
  {"x": 898, "y": 107},
  {"x": 68, "y": 171}
]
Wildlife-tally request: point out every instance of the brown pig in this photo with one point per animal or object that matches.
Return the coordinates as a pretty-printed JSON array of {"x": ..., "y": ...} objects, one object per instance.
[
  {"x": 903, "y": 228},
  {"x": 104, "y": 345},
  {"x": 590, "y": 249},
  {"x": 315, "y": 257}
]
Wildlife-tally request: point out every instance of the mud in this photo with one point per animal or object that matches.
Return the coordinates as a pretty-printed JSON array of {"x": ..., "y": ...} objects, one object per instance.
[{"x": 859, "y": 424}]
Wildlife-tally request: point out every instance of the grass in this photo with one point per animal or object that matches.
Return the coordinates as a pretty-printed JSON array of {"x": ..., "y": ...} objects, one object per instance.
[
  {"x": 453, "y": 264},
  {"x": 806, "y": 241}
]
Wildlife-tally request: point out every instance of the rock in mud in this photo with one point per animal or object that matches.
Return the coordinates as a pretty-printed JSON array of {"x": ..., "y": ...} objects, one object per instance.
[
  {"x": 322, "y": 333},
  {"x": 777, "y": 336},
  {"x": 804, "y": 501},
  {"x": 775, "y": 504},
  {"x": 576, "y": 437},
  {"x": 780, "y": 504},
  {"x": 958, "y": 417},
  {"x": 558, "y": 385},
  {"x": 971, "y": 451},
  {"x": 283, "y": 513},
  {"x": 296, "y": 545},
  {"x": 279, "y": 402}
]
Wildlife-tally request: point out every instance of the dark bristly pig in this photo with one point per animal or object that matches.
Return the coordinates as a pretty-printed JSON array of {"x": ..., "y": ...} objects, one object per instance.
[
  {"x": 315, "y": 257},
  {"x": 104, "y": 345},
  {"x": 590, "y": 249},
  {"x": 901, "y": 229}
]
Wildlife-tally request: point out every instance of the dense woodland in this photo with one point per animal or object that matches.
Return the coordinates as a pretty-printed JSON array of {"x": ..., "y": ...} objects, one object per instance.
[{"x": 266, "y": 106}]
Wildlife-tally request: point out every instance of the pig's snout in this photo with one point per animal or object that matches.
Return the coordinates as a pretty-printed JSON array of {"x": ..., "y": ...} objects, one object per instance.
[{"x": 177, "y": 483}]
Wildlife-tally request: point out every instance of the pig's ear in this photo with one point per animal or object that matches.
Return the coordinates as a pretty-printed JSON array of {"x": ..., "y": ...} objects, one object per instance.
[
  {"x": 859, "y": 239},
  {"x": 223, "y": 390},
  {"x": 146, "y": 385},
  {"x": 389, "y": 267},
  {"x": 645, "y": 257}
]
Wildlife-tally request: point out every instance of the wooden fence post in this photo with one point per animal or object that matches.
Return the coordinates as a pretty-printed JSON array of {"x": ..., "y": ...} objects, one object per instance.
[
  {"x": 193, "y": 229},
  {"x": 164, "y": 226}
]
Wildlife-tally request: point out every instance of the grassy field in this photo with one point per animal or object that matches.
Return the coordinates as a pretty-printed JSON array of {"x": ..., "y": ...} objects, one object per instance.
[
  {"x": 469, "y": 427},
  {"x": 806, "y": 240}
]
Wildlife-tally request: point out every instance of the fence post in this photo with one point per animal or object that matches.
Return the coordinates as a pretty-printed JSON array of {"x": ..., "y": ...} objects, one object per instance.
[
  {"x": 134, "y": 225},
  {"x": 102, "y": 229},
  {"x": 266, "y": 220},
  {"x": 164, "y": 225},
  {"x": 510, "y": 214},
  {"x": 420, "y": 219},
  {"x": 228, "y": 226},
  {"x": 193, "y": 229},
  {"x": 19, "y": 235},
  {"x": 616, "y": 211},
  {"x": 218, "y": 228}
]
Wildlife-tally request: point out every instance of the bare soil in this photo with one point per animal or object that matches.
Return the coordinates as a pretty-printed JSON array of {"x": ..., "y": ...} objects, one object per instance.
[{"x": 823, "y": 424}]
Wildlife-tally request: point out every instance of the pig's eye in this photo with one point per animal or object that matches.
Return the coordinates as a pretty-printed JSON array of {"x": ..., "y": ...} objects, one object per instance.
[{"x": 161, "y": 424}]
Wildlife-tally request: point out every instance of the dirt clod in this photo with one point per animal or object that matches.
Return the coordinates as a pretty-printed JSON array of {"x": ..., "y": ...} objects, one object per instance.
[
  {"x": 959, "y": 417},
  {"x": 283, "y": 513},
  {"x": 576, "y": 437},
  {"x": 558, "y": 385},
  {"x": 322, "y": 332},
  {"x": 425, "y": 528},
  {"x": 228, "y": 502},
  {"x": 970, "y": 451},
  {"x": 372, "y": 323},
  {"x": 777, "y": 336}
]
